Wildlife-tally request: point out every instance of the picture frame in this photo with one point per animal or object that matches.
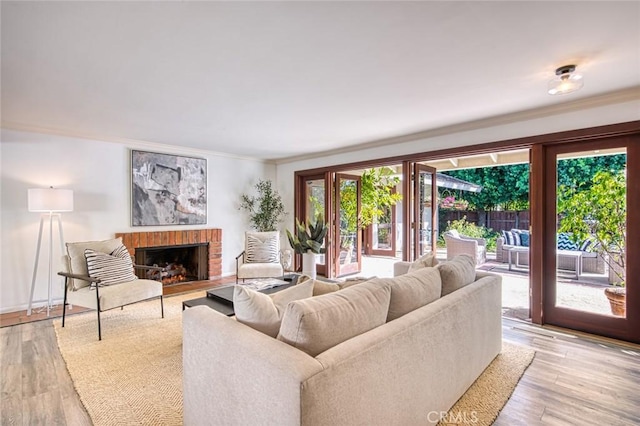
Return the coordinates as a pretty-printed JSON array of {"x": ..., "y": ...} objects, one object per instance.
[{"x": 167, "y": 189}]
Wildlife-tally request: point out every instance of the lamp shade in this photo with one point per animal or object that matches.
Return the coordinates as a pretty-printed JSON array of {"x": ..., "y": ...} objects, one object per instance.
[{"x": 50, "y": 200}]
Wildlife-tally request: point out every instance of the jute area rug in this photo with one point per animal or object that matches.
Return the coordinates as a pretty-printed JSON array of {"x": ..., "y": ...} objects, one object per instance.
[{"x": 134, "y": 375}]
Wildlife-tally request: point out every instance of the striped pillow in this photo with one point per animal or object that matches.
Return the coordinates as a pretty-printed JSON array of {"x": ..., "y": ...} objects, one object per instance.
[
  {"x": 262, "y": 247},
  {"x": 114, "y": 268}
]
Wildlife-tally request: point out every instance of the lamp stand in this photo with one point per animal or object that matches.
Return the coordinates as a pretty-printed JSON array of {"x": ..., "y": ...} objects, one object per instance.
[{"x": 58, "y": 217}]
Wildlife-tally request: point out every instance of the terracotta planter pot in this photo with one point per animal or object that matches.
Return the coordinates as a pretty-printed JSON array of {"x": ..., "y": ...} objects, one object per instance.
[{"x": 616, "y": 296}]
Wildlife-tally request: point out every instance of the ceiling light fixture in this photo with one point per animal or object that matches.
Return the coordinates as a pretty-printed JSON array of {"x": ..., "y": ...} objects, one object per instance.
[{"x": 566, "y": 81}]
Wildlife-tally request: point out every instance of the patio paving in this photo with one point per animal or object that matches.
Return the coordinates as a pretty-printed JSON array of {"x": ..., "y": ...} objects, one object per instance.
[{"x": 586, "y": 294}]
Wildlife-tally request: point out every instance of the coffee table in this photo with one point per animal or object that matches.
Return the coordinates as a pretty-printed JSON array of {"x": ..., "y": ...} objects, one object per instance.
[
  {"x": 517, "y": 250},
  {"x": 221, "y": 298}
]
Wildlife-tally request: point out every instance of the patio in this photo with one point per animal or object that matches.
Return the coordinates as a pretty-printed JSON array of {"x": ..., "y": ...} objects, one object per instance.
[{"x": 586, "y": 294}]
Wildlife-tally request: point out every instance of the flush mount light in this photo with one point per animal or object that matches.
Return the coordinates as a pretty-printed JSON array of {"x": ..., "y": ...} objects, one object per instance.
[{"x": 566, "y": 81}]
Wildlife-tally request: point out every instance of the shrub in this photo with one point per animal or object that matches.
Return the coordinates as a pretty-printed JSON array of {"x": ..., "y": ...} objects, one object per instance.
[{"x": 471, "y": 229}]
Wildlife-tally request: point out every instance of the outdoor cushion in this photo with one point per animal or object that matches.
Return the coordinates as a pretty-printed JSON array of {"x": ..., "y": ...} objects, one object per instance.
[{"x": 565, "y": 243}]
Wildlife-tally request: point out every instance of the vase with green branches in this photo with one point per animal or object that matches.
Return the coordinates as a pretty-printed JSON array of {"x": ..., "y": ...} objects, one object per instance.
[{"x": 266, "y": 209}]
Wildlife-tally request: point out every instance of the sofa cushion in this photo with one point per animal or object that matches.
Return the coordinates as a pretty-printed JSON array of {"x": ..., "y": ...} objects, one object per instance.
[
  {"x": 565, "y": 242},
  {"x": 316, "y": 324},
  {"x": 262, "y": 247},
  {"x": 113, "y": 268},
  {"x": 426, "y": 261},
  {"x": 511, "y": 238},
  {"x": 263, "y": 312},
  {"x": 412, "y": 291},
  {"x": 354, "y": 281},
  {"x": 457, "y": 273},
  {"x": 319, "y": 287}
]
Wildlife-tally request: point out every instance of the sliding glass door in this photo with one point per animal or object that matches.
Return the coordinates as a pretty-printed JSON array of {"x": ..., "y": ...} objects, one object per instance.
[{"x": 587, "y": 238}]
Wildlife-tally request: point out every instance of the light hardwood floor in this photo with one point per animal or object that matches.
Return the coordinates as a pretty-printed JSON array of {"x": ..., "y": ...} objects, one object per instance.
[{"x": 572, "y": 380}]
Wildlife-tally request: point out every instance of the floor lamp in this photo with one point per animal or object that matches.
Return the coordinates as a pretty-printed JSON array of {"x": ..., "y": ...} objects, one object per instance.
[{"x": 50, "y": 202}]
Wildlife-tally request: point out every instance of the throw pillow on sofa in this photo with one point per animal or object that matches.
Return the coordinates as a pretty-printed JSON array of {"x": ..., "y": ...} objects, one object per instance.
[
  {"x": 263, "y": 312},
  {"x": 319, "y": 287},
  {"x": 316, "y": 324},
  {"x": 426, "y": 261},
  {"x": 457, "y": 273},
  {"x": 412, "y": 291}
]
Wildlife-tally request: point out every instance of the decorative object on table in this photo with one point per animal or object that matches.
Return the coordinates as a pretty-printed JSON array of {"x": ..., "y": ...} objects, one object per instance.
[
  {"x": 168, "y": 189},
  {"x": 51, "y": 203},
  {"x": 286, "y": 260},
  {"x": 308, "y": 241},
  {"x": 266, "y": 210}
]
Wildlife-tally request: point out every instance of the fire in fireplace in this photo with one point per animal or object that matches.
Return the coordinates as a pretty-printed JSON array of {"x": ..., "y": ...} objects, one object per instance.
[{"x": 181, "y": 263}]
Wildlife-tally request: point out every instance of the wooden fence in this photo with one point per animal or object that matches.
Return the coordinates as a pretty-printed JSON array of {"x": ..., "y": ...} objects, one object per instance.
[{"x": 496, "y": 220}]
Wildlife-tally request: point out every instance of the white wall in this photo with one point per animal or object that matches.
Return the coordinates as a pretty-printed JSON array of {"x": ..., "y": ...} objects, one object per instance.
[{"x": 98, "y": 172}]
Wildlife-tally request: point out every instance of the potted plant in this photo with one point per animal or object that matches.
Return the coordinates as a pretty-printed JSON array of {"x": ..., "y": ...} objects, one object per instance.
[
  {"x": 599, "y": 212},
  {"x": 307, "y": 241},
  {"x": 266, "y": 210}
]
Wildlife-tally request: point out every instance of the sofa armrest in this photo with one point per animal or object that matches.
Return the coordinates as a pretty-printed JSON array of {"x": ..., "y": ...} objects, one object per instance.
[
  {"x": 237, "y": 375},
  {"x": 480, "y": 241}
]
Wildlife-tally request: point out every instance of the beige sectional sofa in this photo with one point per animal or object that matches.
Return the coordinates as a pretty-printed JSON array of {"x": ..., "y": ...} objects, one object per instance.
[{"x": 404, "y": 371}]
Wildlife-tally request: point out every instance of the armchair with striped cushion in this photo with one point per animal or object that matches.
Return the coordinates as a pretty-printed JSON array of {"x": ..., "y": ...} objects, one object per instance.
[{"x": 261, "y": 256}]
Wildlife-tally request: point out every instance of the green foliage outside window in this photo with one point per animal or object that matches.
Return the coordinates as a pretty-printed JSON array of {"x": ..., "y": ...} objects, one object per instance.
[
  {"x": 470, "y": 229},
  {"x": 598, "y": 210},
  {"x": 377, "y": 194}
]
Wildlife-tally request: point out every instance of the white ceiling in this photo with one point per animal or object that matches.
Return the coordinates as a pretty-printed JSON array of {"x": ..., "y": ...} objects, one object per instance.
[{"x": 279, "y": 79}]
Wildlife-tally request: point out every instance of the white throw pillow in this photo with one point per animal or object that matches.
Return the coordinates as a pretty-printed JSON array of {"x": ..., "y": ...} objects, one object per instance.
[
  {"x": 114, "y": 268},
  {"x": 263, "y": 312},
  {"x": 319, "y": 287},
  {"x": 426, "y": 261},
  {"x": 262, "y": 247}
]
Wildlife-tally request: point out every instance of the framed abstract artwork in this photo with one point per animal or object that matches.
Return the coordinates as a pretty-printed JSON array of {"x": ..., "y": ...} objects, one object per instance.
[{"x": 168, "y": 189}]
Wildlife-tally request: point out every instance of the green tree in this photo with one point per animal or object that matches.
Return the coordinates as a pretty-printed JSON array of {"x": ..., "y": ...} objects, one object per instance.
[
  {"x": 377, "y": 193},
  {"x": 598, "y": 212},
  {"x": 266, "y": 210}
]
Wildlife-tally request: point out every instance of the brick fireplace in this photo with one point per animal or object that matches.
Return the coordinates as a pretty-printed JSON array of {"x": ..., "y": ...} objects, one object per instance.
[{"x": 212, "y": 237}]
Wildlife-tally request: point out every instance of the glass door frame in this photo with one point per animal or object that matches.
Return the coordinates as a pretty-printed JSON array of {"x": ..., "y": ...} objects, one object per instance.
[
  {"x": 338, "y": 178},
  {"x": 544, "y": 261},
  {"x": 418, "y": 171}
]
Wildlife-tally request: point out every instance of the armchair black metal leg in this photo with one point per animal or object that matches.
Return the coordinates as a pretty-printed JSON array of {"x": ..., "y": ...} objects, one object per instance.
[
  {"x": 64, "y": 303},
  {"x": 98, "y": 310},
  {"x": 162, "y": 306}
]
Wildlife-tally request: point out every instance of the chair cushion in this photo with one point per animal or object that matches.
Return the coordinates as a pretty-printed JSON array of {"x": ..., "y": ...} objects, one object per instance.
[
  {"x": 117, "y": 295},
  {"x": 316, "y": 324},
  {"x": 260, "y": 270},
  {"x": 77, "y": 262},
  {"x": 262, "y": 247},
  {"x": 113, "y": 268},
  {"x": 457, "y": 273},
  {"x": 263, "y": 312}
]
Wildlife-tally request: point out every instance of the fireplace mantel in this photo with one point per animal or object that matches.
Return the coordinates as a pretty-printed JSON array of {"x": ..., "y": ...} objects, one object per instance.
[{"x": 212, "y": 236}]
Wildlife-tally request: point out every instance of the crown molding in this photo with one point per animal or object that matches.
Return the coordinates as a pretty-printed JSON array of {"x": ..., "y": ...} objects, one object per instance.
[
  {"x": 131, "y": 143},
  {"x": 611, "y": 98}
]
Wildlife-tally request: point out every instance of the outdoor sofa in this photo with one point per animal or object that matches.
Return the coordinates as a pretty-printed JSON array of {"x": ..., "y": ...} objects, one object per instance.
[{"x": 591, "y": 262}]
